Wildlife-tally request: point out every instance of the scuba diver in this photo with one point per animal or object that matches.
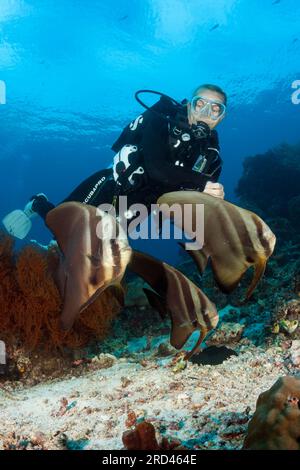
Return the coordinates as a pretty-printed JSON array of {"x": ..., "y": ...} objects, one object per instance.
[{"x": 172, "y": 146}]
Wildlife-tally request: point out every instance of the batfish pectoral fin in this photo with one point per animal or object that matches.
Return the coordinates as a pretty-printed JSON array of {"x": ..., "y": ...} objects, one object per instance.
[
  {"x": 74, "y": 297},
  {"x": 259, "y": 269},
  {"x": 228, "y": 273},
  {"x": 180, "y": 334},
  {"x": 118, "y": 292},
  {"x": 156, "y": 302}
]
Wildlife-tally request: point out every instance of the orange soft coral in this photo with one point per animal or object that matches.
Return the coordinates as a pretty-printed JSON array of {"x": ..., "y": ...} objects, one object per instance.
[{"x": 30, "y": 302}]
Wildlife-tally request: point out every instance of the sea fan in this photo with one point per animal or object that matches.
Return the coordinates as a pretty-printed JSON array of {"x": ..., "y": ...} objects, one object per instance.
[{"x": 30, "y": 303}]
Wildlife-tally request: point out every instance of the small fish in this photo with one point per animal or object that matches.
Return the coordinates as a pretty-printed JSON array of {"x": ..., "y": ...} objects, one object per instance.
[
  {"x": 180, "y": 365},
  {"x": 275, "y": 328},
  {"x": 276, "y": 2},
  {"x": 289, "y": 325},
  {"x": 214, "y": 27},
  {"x": 123, "y": 18}
]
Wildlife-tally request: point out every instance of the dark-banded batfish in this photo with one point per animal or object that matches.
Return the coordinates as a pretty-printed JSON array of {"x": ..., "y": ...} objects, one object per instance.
[
  {"x": 234, "y": 238},
  {"x": 92, "y": 258},
  {"x": 174, "y": 294}
]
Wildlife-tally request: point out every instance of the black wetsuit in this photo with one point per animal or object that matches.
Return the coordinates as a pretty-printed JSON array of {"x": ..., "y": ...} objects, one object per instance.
[{"x": 165, "y": 155}]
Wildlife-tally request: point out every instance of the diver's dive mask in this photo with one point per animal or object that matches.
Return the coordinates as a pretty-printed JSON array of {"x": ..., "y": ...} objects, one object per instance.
[
  {"x": 204, "y": 107},
  {"x": 178, "y": 125}
]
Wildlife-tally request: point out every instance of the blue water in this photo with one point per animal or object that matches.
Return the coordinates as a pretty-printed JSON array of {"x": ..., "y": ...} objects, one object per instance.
[{"x": 71, "y": 68}]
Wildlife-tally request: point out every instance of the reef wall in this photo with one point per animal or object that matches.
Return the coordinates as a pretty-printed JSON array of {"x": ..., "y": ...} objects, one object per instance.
[{"x": 270, "y": 184}]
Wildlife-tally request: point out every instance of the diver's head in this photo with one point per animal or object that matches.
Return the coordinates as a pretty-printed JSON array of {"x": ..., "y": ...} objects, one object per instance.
[{"x": 208, "y": 104}]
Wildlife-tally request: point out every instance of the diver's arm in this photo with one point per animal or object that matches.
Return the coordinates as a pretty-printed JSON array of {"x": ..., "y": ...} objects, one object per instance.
[
  {"x": 213, "y": 168},
  {"x": 159, "y": 168}
]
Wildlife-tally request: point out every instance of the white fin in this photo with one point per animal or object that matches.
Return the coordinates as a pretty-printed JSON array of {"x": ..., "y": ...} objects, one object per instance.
[{"x": 17, "y": 224}]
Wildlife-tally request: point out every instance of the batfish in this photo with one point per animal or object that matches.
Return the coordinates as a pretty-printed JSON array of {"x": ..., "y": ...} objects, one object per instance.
[
  {"x": 92, "y": 258},
  {"x": 174, "y": 294},
  {"x": 234, "y": 238}
]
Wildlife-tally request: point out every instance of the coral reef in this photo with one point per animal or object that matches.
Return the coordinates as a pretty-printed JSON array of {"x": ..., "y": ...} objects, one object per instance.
[
  {"x": 276, "y": 422},
  {"x": 133, "y": 379},
  {"x": 31, "y": 304},
  {"x": 270, "y": 183},
  {"x": 228, "y": 333}
]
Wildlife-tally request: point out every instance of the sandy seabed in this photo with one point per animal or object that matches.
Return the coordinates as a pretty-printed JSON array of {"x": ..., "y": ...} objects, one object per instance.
[{"x": 204, "y": 407}]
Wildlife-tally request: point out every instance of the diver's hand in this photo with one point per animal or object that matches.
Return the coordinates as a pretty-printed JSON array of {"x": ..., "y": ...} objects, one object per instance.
[{"x": 214, "y": 189}]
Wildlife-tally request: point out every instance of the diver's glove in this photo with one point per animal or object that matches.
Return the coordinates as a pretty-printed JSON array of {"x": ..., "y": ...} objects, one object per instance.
[
  {"x": 38, "y": 204},
  {"x": 214, "y": 189}
]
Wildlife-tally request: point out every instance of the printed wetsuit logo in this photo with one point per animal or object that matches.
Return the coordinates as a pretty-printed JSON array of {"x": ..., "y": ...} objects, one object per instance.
[
  {"x": 92, "y": 192},
  {"x": 133, "y": 125}
]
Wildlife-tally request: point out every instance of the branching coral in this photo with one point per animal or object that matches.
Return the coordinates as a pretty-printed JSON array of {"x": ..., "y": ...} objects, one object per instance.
[{"x": 30, "y": 302}]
